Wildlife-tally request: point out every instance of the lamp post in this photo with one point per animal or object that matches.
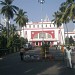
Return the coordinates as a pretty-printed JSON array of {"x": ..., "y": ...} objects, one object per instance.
[{"x": 42, "y": 2}]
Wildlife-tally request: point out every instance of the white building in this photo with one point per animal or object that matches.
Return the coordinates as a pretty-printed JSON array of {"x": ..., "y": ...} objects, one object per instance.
[
  {"x": 46, "y": 31},
  {"x": 70, "y": 34}
]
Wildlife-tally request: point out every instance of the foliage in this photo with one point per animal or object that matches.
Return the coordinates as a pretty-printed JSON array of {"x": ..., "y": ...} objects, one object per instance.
[
  {"x": 65, "y": 13},
  {"x": 71, "y": 41},
  {"x": 23, "y": 41},
  {"x": 67, "y": 40},
  {"x": 8, "y": 9},
  {"x": 3, "y": 42},
  {"x": 21, "y": 18},
  {"x": 45, "y": 50}
]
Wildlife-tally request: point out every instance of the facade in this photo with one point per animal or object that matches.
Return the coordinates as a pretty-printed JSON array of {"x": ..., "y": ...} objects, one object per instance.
[
  {"x": 46, "y": 31},
  {"x": 70, "y": 34}
]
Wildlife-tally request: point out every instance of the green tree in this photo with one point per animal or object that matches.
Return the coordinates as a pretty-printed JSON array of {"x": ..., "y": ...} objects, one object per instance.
[
  {"x": 8, "y": 10},
  {"x": 71, "y": 41},
  {"x": 65, "y": 14},
  {"x": 67, "y": 40},
  {"x": 21, "y": 18},
  {"x": 3, "y": 42},
  {"x": 67, "y": 9}
]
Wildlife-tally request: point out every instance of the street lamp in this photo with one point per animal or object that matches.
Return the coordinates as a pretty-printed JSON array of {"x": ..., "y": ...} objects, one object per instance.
[{"x": 42, "y": 2}]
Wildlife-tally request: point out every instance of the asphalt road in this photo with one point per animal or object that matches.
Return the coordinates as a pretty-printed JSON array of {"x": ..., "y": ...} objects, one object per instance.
[{"x": 12, "y": 65}]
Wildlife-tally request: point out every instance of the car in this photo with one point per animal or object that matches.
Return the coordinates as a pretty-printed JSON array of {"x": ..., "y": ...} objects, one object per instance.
[{"x": 27, "y": 46}]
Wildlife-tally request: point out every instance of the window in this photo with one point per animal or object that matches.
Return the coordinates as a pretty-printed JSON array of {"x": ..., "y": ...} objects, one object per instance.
[
  {"x": 29, "y": 26},
  {"x": 49, "y": 36},
  {"x": 42, "y": 35},
  {"x": 33, "y": 26},
  {"x": 50, "y": 25},
  {"x": 46, "y": 25},
  {"x": 36, "y": 36},
  {"x": 38, "y": 26}
]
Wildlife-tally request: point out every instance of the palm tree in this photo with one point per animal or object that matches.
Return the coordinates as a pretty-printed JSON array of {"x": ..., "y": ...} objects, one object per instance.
[
  {"x": 65, "y": 14},
  {"x": 68, "y": 9},
  {"x": 8, "y": 11},
  {"x": 57, "y": 16},
  {"x": 21, "y": 18}
]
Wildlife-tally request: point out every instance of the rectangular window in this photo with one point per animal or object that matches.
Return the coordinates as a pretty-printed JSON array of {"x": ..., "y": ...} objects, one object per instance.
[
  {"x": 37, "y": 26},
  {"x": 46, "y": 25},
  {"x": 40, "y": 35},
  {"x": 33, "y": 26},
  {"x": 50, "y": 25},
  {"x": 29, "y": 26}
]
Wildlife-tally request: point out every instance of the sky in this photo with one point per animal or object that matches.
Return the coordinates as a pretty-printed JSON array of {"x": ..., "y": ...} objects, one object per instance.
[
  {"x": 34, "y": 13},
  {"x": 33, "y": 8}
]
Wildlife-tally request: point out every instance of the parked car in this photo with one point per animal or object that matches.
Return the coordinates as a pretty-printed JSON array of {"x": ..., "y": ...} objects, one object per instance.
[{"x": 27, "y": 46}]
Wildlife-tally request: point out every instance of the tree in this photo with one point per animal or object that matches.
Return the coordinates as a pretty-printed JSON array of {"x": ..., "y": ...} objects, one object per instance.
[
  {"x": 21, "y": 19},
  {"x": 66, "y": 13},
  {"x": 57, "y": 16},
  {"x": 67, "y": 40},
  {"x": 8, "y": 10},
  {"x": 68, "y": 10},
  {"x": 71, "y": 41}
]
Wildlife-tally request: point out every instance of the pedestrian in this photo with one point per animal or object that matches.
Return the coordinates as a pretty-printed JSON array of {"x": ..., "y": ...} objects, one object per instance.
[
  {"x": 22, "y": 53},
  {"x": 73, "y": 58},
  {"x": 68, "y": 54}
]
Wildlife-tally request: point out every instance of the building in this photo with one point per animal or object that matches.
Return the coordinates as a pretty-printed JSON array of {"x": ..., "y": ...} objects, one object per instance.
[
  {"x": 44, "y": 31},
  {"x": 70, "y": 34}
]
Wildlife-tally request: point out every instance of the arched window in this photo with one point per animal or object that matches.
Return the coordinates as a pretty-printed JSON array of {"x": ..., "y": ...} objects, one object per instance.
[
  {"x": 36, "y": 36},
  {"x": 42, "y": 35},
  {"x": 48, "y": 36}
]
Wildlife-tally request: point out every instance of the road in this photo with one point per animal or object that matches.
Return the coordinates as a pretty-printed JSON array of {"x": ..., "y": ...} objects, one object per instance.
[{"x": 12, "y": 65}]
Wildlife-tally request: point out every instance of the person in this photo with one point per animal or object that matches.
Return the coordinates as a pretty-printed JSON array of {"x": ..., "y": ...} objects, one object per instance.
[
  {"x": 68, "y": 53},
  {"x": 73, "y": 57},
  {"x": 22, "y": 53}
]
